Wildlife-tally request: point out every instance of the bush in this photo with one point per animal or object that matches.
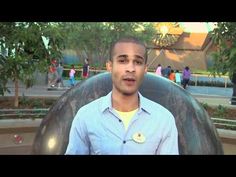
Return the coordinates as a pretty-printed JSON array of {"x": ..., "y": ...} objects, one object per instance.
[
  {"x": 24, "y": 101},
  {"x": 37, "y": 103},
  {"x": 205, "y": 105},
  {"x": 220, "y": 111}
]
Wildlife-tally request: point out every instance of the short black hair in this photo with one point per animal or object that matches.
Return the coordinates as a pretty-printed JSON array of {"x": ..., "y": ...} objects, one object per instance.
[{"x": 131, "y": 40}]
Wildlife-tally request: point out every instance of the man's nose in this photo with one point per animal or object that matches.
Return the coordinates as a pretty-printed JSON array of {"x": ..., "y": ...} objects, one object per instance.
[{"x": 130, "y": 67}]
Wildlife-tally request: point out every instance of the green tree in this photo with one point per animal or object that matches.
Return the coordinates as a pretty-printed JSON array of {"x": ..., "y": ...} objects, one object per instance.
[
  {"x": 23, "y": 51},
  {"x": 93, "y": 40},
  {"x": 224, "y": 37}
]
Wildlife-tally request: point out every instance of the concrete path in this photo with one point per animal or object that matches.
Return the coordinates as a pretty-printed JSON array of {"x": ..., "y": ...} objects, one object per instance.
[{"x": 210, "y": 95}]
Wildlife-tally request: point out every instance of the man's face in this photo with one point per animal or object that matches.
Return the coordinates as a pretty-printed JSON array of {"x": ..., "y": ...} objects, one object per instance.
[{"x": 127, "y": 67}]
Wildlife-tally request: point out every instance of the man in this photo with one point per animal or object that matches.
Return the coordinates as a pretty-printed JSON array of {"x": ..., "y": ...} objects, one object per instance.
[
  {"x": 85, "y": 71},
  {"x": 124, "y": 122},
  {"x": 233, "y": 79},
  {"x": 59, "y": 75},
  {"x": 158, "y": 70},
  {"x": 166, "y": 72},
  {"x": 186, "y": 76},
  {"x": 52, "y": 74}
]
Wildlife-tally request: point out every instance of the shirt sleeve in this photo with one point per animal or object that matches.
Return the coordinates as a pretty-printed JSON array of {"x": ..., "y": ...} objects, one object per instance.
[
  {"x": 169, "y": 144},
  {"x": 78, "y": 141}
]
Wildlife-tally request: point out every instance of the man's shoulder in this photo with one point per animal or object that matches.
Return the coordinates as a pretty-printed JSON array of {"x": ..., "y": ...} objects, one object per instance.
[{"x": 91, "y": 105}]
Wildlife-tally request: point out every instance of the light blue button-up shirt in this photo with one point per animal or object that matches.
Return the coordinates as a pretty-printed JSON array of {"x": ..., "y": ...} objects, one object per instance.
[{"x": 97, "y": 129}]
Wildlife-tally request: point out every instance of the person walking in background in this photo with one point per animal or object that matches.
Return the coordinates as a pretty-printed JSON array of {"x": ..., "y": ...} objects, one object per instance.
[
  {"x": 85, "y": 72},
  {"x": 166, "y": 72},
  {"x": 52, "y": 74},
  {"x": 158, "y": 70},
  {"x": 186, "y": 76},
  {"x": 172, "y": 75},
  {"x": 59, "y": 75},
  {"x": 177, "y": 77},
  {"x": 233, "y": 80},
  {"x": 72, "y": 75}
]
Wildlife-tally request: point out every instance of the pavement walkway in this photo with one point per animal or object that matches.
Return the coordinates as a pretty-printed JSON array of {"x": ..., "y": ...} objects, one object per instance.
[{"x": 211, "y": 95}]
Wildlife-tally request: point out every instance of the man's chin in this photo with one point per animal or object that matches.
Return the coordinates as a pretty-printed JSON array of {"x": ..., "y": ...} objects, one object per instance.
[
  {"x": 126, "y": 91},
  {"x": 129, "y": 93}
]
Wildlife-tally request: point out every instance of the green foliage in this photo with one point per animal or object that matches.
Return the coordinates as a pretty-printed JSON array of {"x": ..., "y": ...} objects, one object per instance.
[
  {"x": 24, "y": 100},
  {"x": 220, "y": 111},
  {"x": 93, "y": 39},
  {"x": 23, "y": 51},
  {"x": 205, "y": 105},
  {"x": 49, "y": 101},
  {"x": 224, "y": 37}
]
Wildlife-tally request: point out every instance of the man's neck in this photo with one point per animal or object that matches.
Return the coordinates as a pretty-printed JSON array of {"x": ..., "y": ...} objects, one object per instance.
[{"x": 125, "y": 103}]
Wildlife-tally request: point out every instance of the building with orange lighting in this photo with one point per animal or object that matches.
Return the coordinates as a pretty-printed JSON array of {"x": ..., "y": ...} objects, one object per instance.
[{"x": 186, "y": 48}]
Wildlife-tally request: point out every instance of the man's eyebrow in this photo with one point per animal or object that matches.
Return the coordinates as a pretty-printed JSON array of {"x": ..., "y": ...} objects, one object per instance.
[
  {"x": 136, "y": 56},
  {"x": 120, "y": 56},
  {"x": 139, "y": 57}
]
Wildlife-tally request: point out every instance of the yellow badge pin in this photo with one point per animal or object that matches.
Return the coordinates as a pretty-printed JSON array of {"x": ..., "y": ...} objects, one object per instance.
[{"x": 138, "y": 138}]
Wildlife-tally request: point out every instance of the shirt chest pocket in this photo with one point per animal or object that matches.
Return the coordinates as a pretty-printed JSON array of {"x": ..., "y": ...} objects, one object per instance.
[
  {"x": 110, "y": 146},
  {"x": 149, "y": 146},
  {"x": 104, "y": 146},
  {"x": 95, "y": 145}
]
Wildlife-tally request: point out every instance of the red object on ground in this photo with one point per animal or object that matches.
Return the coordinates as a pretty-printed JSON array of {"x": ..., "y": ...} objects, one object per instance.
[{"x": 18, "y": 139}]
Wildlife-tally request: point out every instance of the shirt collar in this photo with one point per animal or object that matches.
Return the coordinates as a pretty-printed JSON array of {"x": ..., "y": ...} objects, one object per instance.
[
  {"x": 106, "y": 103},
  {"x": 144, "y": 104}
]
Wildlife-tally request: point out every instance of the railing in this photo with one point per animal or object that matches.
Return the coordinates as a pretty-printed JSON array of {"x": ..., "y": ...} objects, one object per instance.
[
  {"x": 22, "y": 113},
  {"x": 195, "y": 78}
]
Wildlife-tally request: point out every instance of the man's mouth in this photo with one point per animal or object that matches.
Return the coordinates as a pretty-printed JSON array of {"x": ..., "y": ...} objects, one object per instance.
[{"x": 129, "y": 80}]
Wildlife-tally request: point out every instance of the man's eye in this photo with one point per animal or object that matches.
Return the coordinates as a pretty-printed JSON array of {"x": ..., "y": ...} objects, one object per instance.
[
  {"x": 121, "y": 61},
  {"x": 139, "y": 62}
]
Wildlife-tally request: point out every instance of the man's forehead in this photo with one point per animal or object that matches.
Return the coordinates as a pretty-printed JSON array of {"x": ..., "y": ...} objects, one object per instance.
[
  {"x": 129, "y": 43},
  {"x": 128, "y": 47}
]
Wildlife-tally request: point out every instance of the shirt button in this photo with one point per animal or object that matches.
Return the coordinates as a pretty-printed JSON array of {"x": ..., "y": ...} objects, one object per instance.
[
  {"x": 119, "y": 120},
  {"x": 124, "y": 142}
]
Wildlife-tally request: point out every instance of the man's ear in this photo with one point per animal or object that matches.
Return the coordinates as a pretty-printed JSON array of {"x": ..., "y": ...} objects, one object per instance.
[
  {"x": 145, "y": 70},
  {"x": 109, "y": 65}
]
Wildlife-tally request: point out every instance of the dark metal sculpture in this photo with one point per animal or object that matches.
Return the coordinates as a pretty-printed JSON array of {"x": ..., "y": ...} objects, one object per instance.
[{"x": 197, "y": 134}]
